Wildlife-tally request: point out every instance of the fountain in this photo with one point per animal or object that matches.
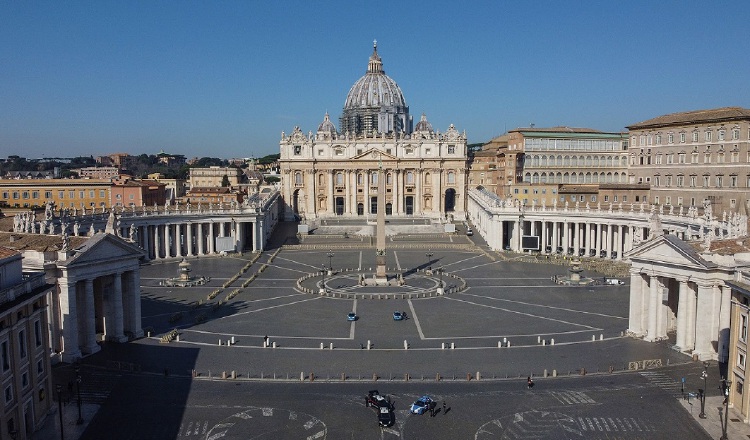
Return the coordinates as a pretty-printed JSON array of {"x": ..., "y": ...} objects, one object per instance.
[
  {"x": 185, "y": 279},
  {"x": 574, "y": 277}
]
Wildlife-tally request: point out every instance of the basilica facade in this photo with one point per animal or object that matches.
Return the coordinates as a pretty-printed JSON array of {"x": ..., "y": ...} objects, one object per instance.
[{"x": 333, "y": 172}]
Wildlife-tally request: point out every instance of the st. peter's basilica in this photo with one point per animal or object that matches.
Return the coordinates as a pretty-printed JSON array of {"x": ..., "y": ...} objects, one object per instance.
[{"x": 335, "y": 172}]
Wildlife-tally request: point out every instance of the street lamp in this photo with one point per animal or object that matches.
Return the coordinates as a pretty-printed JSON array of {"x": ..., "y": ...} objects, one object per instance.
[
  {"x": 59, "y": 405},
  {"x": 429, "y": 255},
  {"x": 323, "y": 286},
  {"x": 702, "y": 392},
  {"x": 330, "y": 255},
  {"x": 727, "y": 386},
  {"x": 440, "y": 286},
  {"x": 78, "y": 389}
]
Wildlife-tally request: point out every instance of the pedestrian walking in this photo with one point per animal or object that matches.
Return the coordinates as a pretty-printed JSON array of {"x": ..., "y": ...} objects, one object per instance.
[
  {"x": 529, "y": 382},
  {"x": 265, "y": 341},
  {"x": 443, "y": 406},
  {"x": 432, "y": 409}
]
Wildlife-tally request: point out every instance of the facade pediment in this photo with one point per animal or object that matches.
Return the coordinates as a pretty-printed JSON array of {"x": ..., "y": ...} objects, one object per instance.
[
  {"x": 374, "y": 154},
  {"x": 669, "y": 250},
  {"x": 103, "y": 248}
]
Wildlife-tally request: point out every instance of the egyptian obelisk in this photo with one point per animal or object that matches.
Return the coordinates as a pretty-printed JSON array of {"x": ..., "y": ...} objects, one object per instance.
[{"x": 380, "y": 277}]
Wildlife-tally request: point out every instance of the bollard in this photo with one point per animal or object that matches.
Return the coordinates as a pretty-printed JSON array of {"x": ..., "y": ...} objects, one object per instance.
[
  {"x": 437, "y": 377},
  {"x": 505, "y": 340},
  {"x": 312, "y": 376},
  {"x": 554, "y": 373},
  {"x": 406, "y": 377},
  {"x": 406, "y": 345},
  {"x": 545, "y": 372},
  {"x": 369, "y": 345},
  {"x": 583, "y": 371},
  {"x": 552, "y": 341},
  {"x": 322, "y": 346},
  {"x": 234, "y": 374},
  {"x": 195, "y": 374},
  {"x": 601, "y": 336},
  {"x": 508, "y": 344},
  {"x": 538, "y": 339},
  {"x": 228, "y": 344},
  {"x": 443, "y": 346},
  {"x": 374, "y": 376},
  {"x": 468, "y": 376},
  {"x": 453, "y": 345},
  {"x": 593, "y": 337},
  {"x": 219, "y": 341},
  {"x": 499, "y": 344},
  {"x": 223, "y": 374},
  {"x": 478, "y": 376},
  {"x": 544, "y": 342},
  {"x": 178, "y": 337},
  {"x": 148, "y": 334},
  {"x": 302, "y": 376},
  {"x": 232, "y": 340},
  {"x": 330, "y": 346},
  {"x": 611, "y": 369},
  {"x": 343, "y": 377},
  {"x": 274, "y": 344}
]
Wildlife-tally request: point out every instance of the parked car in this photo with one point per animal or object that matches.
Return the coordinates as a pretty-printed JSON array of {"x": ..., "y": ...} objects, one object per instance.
[
  {"x": 421, "y": 405},
  {"x": 613, "y": 281},
  {"x": 469, "y": 231},
  {"x": 352, "y": 316},
  {"x": 398, "y": 316}
]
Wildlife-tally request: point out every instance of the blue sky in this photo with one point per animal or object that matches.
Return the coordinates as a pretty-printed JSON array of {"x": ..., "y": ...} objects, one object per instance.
[{"x": 224, "y": 79}]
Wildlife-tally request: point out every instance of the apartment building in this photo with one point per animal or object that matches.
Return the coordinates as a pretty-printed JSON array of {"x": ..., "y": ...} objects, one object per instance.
[{"x": 64, "y": 193}]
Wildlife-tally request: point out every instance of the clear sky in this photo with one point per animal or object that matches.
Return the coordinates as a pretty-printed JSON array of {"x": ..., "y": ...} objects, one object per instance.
[{"x": 224, "y": 79}]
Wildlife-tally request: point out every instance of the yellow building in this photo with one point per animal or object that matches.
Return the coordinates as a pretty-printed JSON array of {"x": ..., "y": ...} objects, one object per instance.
[{"x": 64, "y": 193}]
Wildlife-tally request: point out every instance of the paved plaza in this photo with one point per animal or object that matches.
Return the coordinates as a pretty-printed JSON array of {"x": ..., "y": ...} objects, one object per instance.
[{"x": 259, "y": 350}]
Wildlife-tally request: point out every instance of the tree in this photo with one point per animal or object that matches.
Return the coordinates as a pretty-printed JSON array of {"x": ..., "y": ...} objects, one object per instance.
[{"x": 225, "y": 181}]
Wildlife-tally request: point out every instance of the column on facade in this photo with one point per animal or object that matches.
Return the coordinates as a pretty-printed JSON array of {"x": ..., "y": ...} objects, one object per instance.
[
  {"x": 67, "y": 340},
  {"x": 682, "y": 315},
  {"x": 619, "y": 229},
  {"x": 347, "y": 192},
  {"x": 331, "y": 205},
  {"x": 117, "y": 311},
  {"x": 543, "y": 235},
  {"x": 565, "y": 236},
  {"x": 396, "y": 193},
  {"x": 418, "y": 208},
  {"x": 398, "y": 198},
  {"x": 638, "y": 304},
  {"x": 692, "y": 300},
  {"x": 167, "y": 240},
  {"x": 189, "y": 239},
  {"x": 663, "y": 310},
  {"x": 89, "y": 336},
  {"x": 589, "y": 233},
  {"x": 703, "y": 322},
  {"x": 598, "y": 238},
  {"x": 628, "y": 239},
  {"x": 439, "y": 192},
  {"x": 211, "y": 239},
  {"x": 368, "y": 177}
]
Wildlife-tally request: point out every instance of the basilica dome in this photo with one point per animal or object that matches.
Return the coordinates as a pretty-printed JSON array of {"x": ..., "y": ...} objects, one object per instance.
[{"x": 375, "y": 103}]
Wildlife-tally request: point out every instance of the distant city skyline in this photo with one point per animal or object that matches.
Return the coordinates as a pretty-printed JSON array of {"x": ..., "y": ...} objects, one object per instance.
[{"x": 224, "y": 79}]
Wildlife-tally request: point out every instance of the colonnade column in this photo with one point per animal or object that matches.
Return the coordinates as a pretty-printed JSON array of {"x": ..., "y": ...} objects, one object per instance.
[
  {"x": 201, "y": 248},
  {"x": 133, "y": 303},
  {"x": 637, "y": 304},
  {"x": 543, "y": 233},
  {"x": 178, "y": 239},
  {"x": 90, "y": 318},
  {"x": 555, "y": 240},
  {"x": 724, "y": 316},
  {"x": 157, "y": 242},
  {"x": 145, "y": 239},
  {"x": 653, "y": 308},
  {"x": 117, "y": 310},
  {"x": 598, "y": 246},
  {"x": 211, "y": 241},
  {"x": 368, "y": 178},
  {"x": 189, "y": 238},
  {"x": 703, "y": 323},
  {"x": 167, "y": 240},
  {"x": 682, "y": 316},
  {"x": 396, "y": 196},
  {"x": 331, "y": 205},
  {"x": 67, "y": 341}
]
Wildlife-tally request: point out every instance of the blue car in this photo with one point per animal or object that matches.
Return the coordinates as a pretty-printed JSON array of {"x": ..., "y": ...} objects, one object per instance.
[
  {"x": 351, "y": 316},
  {"x": 398, "y": 316},
  {"x": 422, "y": 404}
]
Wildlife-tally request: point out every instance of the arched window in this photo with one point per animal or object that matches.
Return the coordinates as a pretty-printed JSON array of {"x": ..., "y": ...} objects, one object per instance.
[
  {"x": 389, "y": 179},
  {"x": 559, "y": 160},
  {"x": 298, "y": 178},
  {"x": 339, "y": 178},
  {"x": 535, "y": 178},
  {"x": 527, "y": 177},
  {"x": 321, "y": 179},
  {"x": 427, "y": 179},
  {"x": 374, "y": 178},
  {"x": 451, "y": 178},
  {"x": 543, "y": 178},
  {"x": 360, "y": 179},
  {"x": 410, "y": 178}
]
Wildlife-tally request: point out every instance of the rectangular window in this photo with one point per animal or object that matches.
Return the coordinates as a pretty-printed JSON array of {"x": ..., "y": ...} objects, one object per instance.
[
  {"x": 680, "y": 181},
  {"x": 8, "y": 394},
  {"x": 25, "y": 194},
  {"x": 741, "y": 357},
  {"x": 695, "y": 136},
  {"x": 707, "y": 158},
  {"x": 706, "y": 181},
  {"x": 670, "y": 138},
  {"x": 297, "y": 150},
  {"x": 92, "y": 193},
  {"x": 733, "y": 181},
  {"x": 606, "y": 198},
  {"x": 693, "y": 181},
  {"x": 451, "y": 149},
  {"x": 48, "y": 194},
  {"x": 721, "y": 135},
  {"x": 71, "y": 194},
  {"x": 614, "y": 199},
  {"x": 735, "y": 134},
  {"x": 24, "y": 380},
  {"x": 593, "y": 198},
  {"x": 708, "y": 136},
  {"x": 682, "y": 137},
  {"x": 81, "y": 194},
  {"x": 39, "y": 367},
  {"x": 35, "y": 194},
  {"x": 61, "y": 194},
  {"x": 101, "y": 193}
]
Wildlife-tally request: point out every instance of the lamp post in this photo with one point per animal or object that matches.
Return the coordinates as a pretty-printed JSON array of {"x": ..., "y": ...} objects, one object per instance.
[
  {"x": 78, "y": 390},
  {"x": 323, "y": 286},
  {"x": 726, "y": 385},
  {"x": 59, "y": 407},
  {"x": 330, "y": 255},
  {"x": 702, "y": 392},
  {"x": 429, "y": 255},
  {"x": 440, "y": 286}
]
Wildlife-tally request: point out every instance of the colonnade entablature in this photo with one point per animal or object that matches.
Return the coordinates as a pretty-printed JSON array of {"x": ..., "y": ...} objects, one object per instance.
[
  {"x": 591, "y": 231},
  {"x": 172, "y": 231}
]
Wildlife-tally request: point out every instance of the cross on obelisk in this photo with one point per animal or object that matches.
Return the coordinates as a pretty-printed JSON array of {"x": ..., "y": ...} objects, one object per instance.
[{"x": 380, "y": 276}]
